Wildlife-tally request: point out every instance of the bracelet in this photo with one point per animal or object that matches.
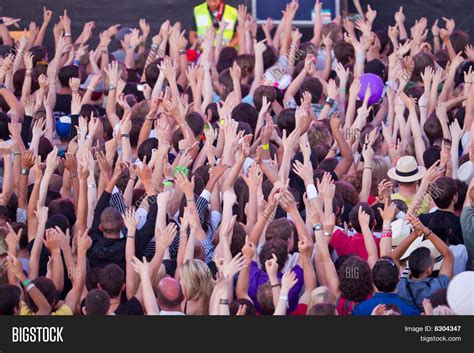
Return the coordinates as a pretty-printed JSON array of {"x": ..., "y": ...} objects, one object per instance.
[
  {"x": 189, "y": 200},
  {"x": 134, "y": 179},
  {"x": 67, "y": 34},
  {"x": 283, "y": 297},
  {"x": 342, "y": 90},
  {"x": 275, "y": 285},
  {"x": 125, "y": 135},
  {"x": 112, "y": 87},
  {"x": 387, "y": 235},
  {"x": 88, "y": 136},
  {"x": 74, "y": 175},
  {"x": 181, "y": 169},
  {"x": 224, "y": 301},
  {"x": 30, "y": 286},
  {"x": 26, "y": 282},
  {"x": 154, "y": 46},
  {"x": 167, "y": 183},
  {"x": 91, "y": 186},
  {"x": 131, "y": 236},
  {"x": 368, "y": 168},
  {"x": 429, "y": 233},
  {"x": 265, "y": 147},
  {"x": 76, "y": 62},
  {"x": 15, "y": 154},
  {"x": 171, "y": 180}
]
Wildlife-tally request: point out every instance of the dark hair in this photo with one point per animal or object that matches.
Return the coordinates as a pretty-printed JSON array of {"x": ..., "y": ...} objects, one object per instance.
[
  {"x": 263, "y": 91},
  {"x": 152, "y": 72},
  {"x": 440, "y": 297},
  {"x": 196, "y": 123},
  {"x": 281, "y": 228},
  {"x": 246, "y": 63},
  {"x": 313, "y": 86},
  {"x": 250, "y": 307},
  {"x": 431, "y": 155},
  {"x": 270, "y": 57},
  {"x": 47, "y": 288},
  {"x": 443, "y": 191},
  {"x": 433, "y": 129},
  {"x": 274, "y": 246},
  {"x": 63, "y": 207},
  {"x": 39, "y": 52},
  {"x": 354, "y": 215},
  {"x": 420, "y": 62},
  {"x": 44, "y": 148},
  {"x": 462, "y": 187},
  {"x": 440, "y": 226},
  {"x": 67, "y": 72},
  {"x": 377, "y": 217},
  {"x": 137, "y": 124},
  {"x": 344, "y": 52},
  {"x": 355, "y": 280},
  {"x": 385, "y": 275},
  {"x": 58, "y": 220},
  {"x": 322, "y": 309},
  {"x": 97, "y": 302},
  {"x": 286, "y": 120},
  {"x": 459, "y": 41},
  {"x": 245, "y": 113},
  {"x": 146, "y": 148},
  {"x": 9, "y": 299},
  {"x": 93, "y": 278},
  {"x": 419, "y": 261},
  {"x": 4, "y": 121},
  {"x": 111, "y": 279},
  {"x": 238, "y": 239},
  {"x": 226, "y": 58}
]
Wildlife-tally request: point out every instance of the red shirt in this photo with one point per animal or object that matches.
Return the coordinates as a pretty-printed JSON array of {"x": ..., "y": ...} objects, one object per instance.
[
  {"x": 347, "y": 245},
  {"x": 300, "y": 310}
]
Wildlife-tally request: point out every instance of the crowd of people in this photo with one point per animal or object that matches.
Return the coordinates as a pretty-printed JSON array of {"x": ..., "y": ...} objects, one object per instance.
[{"x": 332, "y": 176}]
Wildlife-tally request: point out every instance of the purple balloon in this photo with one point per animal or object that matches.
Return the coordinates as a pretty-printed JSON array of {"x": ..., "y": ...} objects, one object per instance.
[{"x": 376, "y": 87}]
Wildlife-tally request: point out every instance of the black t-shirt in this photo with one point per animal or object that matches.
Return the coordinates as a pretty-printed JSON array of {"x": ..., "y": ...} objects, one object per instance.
[
  {"x": 63, "y": 104},
  {"x": 130, "y": 307},
  {"x": 453, "y": 222}
]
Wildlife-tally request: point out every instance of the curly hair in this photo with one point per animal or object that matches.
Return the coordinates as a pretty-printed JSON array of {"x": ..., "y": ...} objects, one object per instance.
[{"x": 355, "y": 279}]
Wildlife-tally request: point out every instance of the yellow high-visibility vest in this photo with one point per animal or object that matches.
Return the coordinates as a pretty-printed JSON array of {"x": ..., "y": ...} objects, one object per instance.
[{"x": 203, "y": 20}]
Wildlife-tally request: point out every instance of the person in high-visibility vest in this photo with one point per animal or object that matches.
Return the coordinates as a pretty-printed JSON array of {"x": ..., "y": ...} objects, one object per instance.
[{"x": 211, "y": 13}]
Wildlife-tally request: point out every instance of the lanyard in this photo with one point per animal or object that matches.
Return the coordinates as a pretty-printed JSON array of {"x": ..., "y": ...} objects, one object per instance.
[{"x": 221, "y": 11}]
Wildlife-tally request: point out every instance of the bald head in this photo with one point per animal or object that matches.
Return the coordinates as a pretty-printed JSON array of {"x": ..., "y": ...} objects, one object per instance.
[
  {"x": 110, "y": 220},
  {"x": 169, "y": 294}
]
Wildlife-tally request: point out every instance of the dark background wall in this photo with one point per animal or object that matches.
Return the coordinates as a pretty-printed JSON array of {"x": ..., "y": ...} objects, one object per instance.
[{"x": 127, "y": 13}]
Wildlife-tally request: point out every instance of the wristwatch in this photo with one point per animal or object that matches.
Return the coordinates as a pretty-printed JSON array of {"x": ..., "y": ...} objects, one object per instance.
[
  {"x": 24, "y": 171},
  {"x": 182, "y": 52},
  {"x": 317, "y": 227},
  {"x": 329, "y": 101},
  {"x": 2, "y": 86}
]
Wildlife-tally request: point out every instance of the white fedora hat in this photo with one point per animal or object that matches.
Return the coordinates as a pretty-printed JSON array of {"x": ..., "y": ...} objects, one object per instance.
[
  {"x": 461, "y": 293},
  {"x": 407, "y": 170},
  {"x": 400, "y": 230},
  {"x": 466, "y": 172}
]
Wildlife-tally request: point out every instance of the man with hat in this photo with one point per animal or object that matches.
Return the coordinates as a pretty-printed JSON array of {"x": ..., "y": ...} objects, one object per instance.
[
  {"x": 407, "y": 173},
  {"x": 211, "y": 13}
]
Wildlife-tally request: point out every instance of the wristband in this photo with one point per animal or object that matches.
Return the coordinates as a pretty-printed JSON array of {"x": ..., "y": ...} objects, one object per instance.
[
  {"x": 224, "y": 301},
  {"x": 167, "y": 183},
  {"x": 181, "y": 169},
  {"x": 30, "y": 286},
  {"x": 265, "y": 147},
  {"x": 74, "y": 175},
  {"x": 76, "y": 62},
  {"x": 360, "y": 58},
  {"x": 284, "y": 298},
  {"x": 131, "y": 236},
  {"x": 154, "y": 46},
  {"x": 182, "y": 52},
  {"x": 26, "y": 282},
  {"x": 91, "y": 186},
  {"x": 387, "y": 235},
  {"x": 275, "y": 285},
  {"x": 15, "y": 154},
  {"x": 125, "y": 135},
  {"x": 311, "y": 191},
  {"x": 222, "y": 122},
  {"x": 67, "y": 34},
  {"x": 112, "y": 87}
]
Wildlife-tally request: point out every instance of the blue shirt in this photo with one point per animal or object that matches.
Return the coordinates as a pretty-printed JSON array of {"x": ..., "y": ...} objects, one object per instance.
[
  {"x": 365, "y": 308},
  {"x": 413, "y": 291}
]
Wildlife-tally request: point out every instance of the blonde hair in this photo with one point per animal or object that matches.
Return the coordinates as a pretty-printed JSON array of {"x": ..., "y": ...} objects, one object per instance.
[
  {"x": 196, "y": 281},
  {"x": 379, "y": 168},
  {"x": 320, "y": 295}
]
